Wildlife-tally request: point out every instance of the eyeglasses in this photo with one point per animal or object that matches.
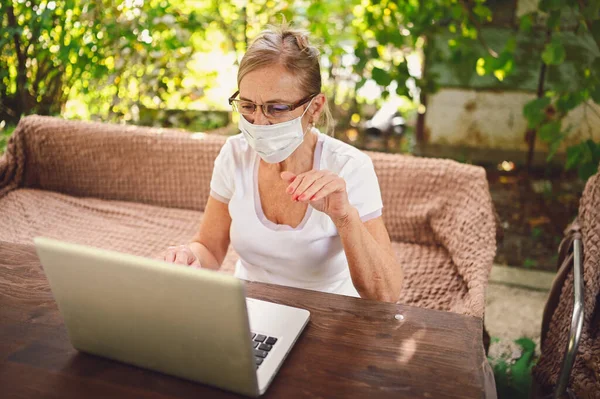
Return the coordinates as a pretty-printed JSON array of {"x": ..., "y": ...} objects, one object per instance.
[{"x": 271, "y": 110}]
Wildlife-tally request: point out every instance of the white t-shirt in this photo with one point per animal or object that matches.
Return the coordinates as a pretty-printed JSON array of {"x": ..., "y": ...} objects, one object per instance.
[{"x": 310, "y": 255}]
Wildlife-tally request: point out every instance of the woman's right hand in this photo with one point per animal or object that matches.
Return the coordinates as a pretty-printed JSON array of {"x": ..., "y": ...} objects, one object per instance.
[{"x": 182, "y": 255}]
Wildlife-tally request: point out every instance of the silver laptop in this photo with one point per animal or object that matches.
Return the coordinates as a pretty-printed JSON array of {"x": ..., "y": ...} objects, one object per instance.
[{"x": 192, "y": 323}]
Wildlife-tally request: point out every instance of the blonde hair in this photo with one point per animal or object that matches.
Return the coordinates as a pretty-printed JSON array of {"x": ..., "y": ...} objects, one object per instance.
[{"x": 282, "y": 45}]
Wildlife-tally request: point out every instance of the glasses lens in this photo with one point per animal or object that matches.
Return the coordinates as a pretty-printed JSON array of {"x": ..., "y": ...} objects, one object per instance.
[
  {"x": 244, "y": 107},
  {"x": 277, "y": 110}
]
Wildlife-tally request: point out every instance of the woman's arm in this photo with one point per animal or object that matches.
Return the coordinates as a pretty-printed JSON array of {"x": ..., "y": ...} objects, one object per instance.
[
  {"x": 211, "y": 242},
  {"x": 209, "y": 246},
  {"x": 373, "y": 267}
]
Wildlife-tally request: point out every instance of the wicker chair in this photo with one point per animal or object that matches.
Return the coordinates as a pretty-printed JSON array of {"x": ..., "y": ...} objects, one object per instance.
[{"x": 570, "y": 362}]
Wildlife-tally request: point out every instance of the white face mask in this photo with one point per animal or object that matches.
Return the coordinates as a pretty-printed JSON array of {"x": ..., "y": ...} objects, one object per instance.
[{"x": 274, "y": 143}]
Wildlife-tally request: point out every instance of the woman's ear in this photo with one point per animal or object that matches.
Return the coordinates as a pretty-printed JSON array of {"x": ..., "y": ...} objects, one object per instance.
[{"x": 316, "y": 107}]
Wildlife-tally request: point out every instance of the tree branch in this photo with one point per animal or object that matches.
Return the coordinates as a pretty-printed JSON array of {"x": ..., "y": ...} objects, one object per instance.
[
  {"x": 226, "y": 30},
  {"x": 21, "y": 60},
  {"x": 478, "y": 27},
  {"x": 530, "y": 134},
  {"x": 35, "y": 34},
  {"x": 42, "y": 70}
]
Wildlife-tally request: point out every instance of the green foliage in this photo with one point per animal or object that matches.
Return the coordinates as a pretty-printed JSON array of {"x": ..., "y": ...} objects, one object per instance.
[
  {"x": 388, "y": 32},
  {"x": 561, "y": 34},
  {"x": 584, "y": 156},
  {"x": 512, "y": 371},
  {"x": 535, "y": 111},
  {"x": 565, "y": 20},
  {"x": 5, "y": 133},
  {"x": 120, "y": 57},
  {"x": 115, "y": 53},
  {"x": 570, "y": 54},
  {"x": 536, "y": 232},
  {"x": 554, "y": 52},
  {"x": 116, "y": 57}
]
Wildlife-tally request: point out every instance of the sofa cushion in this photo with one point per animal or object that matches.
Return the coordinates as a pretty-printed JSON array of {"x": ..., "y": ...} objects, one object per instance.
[
  {"x": 138, "y": 229},
  {"x": 146, "y": 230}
]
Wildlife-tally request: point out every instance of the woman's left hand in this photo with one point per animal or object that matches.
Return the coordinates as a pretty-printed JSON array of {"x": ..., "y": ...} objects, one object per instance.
[{"x": 323, "y": 190}]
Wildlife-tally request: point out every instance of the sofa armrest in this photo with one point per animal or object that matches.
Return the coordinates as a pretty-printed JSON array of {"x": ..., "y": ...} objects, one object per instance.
[{"x": 466, "y": 226}]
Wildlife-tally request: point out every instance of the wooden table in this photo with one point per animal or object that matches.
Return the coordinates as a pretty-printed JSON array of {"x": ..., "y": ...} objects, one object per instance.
[{"x": 351, "y": 348}]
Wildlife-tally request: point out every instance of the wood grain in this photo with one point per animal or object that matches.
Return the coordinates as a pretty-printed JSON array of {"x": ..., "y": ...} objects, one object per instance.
[{"x": 351, "y": 348}]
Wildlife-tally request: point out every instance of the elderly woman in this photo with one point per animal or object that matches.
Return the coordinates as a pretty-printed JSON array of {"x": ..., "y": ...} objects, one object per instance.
[{"x": 299, "y": 207}]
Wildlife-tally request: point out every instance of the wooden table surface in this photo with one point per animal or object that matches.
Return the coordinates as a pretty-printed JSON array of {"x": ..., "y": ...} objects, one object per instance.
[{"x": 351, "y": 348}]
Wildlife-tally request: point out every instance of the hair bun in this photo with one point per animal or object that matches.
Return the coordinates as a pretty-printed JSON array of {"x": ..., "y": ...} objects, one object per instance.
[{"x": 302, "y": 40}]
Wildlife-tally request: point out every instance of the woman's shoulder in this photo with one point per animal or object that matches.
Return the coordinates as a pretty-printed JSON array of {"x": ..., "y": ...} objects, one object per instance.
[
  {"x": 234, "y": 154},
  {"x": 339, "y": 156},
  {"x": 236, "y": 143},
  {"x": 236, "y": 147}
]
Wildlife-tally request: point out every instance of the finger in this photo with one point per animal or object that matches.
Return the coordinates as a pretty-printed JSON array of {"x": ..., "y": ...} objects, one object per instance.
[
  {"x": 196, "y": 264},
  {"x": 316, "y": 187},
  {"x": 307, "y": 182},
  {"x": 192, "y": 258},
  {"x": 287, "y": 176},
  {"x": 293, "y": 187},
  {"x": 297, "y": 180},
  {"x": 189, "y": 254},
  {"x": 338, "y": 185},
  {"x": 182, "y": 257},
  {"x": 170, "y": 256}
]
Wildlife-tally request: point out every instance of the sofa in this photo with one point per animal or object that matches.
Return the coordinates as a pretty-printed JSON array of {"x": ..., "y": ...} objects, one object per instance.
[{"x": 140, "y": 189}]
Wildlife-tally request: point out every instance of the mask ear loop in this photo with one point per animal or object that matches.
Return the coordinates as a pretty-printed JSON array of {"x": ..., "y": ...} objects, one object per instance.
[{"x": 311, "y": 123}]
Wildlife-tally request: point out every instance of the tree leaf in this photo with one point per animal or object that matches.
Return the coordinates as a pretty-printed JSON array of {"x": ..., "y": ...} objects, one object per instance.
[
  {"x": 549, "y": 5},
  {"x": 511, "y": 44},
  {"x": 361, "y": 83},
  {"x": 374, "y": 53},
  {"x": 594, "y": 149},
  {"x": 569, "y": 101},
  {"x": 526, "y": 23},
  {"x": 550, "y": 132},
  {"x": 554, "y": 52},
  {"x": 587, "y": 170},
  {"x": 457, "y": 11},
  {"x": 573, "y": 156},
  {"x": 402, "y": 90},
  {"x": 552, "y": 150},
  {"x": 381, "y": 77},
  {"x": 482, "y": 12},
  {"x": 553, "y": 20},
  {"x": 534, "y": 111}
]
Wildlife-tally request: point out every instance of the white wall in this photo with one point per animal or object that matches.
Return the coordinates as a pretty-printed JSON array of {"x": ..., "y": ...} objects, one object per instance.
[{"x": 495, "y": 120}]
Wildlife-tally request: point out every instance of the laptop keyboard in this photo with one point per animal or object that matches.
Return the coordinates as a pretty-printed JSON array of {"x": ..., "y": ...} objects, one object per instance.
[{"x": 262, "y": 345}]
